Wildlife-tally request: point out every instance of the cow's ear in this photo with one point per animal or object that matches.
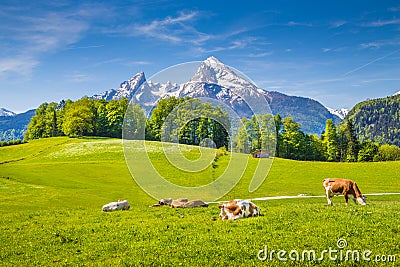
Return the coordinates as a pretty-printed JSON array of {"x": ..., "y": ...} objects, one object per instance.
[{"x": 220, "y": 206}]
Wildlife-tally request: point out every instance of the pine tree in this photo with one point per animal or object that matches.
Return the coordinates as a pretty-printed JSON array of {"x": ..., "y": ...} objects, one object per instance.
[
  {"x": 352, "y": 142},
  {"x": 331, "y": 141}
]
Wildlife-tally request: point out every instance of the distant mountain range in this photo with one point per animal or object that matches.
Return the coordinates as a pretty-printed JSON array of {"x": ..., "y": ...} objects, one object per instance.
[
  {"x": 341, "y": 113},
  {"x": 6, "y": 113},
  {"x": 215, "y": 80},
  {"x": 13, "y": 126}
]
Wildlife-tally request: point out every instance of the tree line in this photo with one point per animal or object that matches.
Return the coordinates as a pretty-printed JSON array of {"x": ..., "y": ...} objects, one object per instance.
[
  {"x": 84, "y": 117},
  {"x": 338, "y": 143},
  {"x": 189, "y": 121}
]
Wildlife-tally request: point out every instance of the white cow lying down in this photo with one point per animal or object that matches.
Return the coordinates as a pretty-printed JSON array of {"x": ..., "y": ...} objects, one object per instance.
[{"x": 119, "y": 205}]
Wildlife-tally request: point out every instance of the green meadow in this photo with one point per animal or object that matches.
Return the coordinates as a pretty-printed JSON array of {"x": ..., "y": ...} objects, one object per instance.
[{"x": 52, "y": 191}]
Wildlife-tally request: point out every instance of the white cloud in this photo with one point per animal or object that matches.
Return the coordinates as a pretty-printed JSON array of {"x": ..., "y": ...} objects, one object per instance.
[
  {"x": 171, "y": 29},
  {"x": 394, "y": 9},
  {"x": 53, "y": 31},
  {"x": 18, "y": 64},
  {"x": 28, "y": 36},
  {"x": 78, "y": 78},
  {"x": 293, "y": 23},
  {"x": 265, "y": 54},
  {"x": 373, "y": 45},
  {"x": 231, "y": 45},
  {"x": 337, "y": 24},
  {"x": 380, "y": 23},
  {"x": 379, "y": 44},
  {"x": 370, "y": 62}
]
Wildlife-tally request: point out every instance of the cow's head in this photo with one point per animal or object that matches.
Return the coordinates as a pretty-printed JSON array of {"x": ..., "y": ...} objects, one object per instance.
[{"x": 362, "y": 200}]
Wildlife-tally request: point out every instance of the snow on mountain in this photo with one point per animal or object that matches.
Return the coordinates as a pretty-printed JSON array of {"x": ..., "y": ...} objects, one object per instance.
[
  {"x": 341, "y": 113},
  {"x": 215, "y": 80},
  {"x": 214, "y": 71},
  {"x": 6, "y": 113},
  {"x": 149, "y": 92},
  {"x": 397, "y": 93},
  {"x": 126, "y": 89}
]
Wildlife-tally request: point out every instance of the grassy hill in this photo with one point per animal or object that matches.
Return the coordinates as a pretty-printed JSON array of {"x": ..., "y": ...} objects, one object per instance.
[{"x": 52, "y": 190}]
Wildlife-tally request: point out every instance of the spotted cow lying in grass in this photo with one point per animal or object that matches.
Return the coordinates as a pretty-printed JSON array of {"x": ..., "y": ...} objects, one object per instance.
[
  {"x": 180, "y": 203},
  {"x": 237, "y": 209},
  {"x": 119, "y": 205},
  {"x": 347, "y": 188}
]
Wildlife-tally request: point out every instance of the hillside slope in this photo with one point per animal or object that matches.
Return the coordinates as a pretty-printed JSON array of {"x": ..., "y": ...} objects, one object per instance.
[{"x": 377, "y": 120}]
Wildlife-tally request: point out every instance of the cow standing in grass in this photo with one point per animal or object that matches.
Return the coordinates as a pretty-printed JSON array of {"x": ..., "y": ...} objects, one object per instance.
[{"x": 347, "y": 188}]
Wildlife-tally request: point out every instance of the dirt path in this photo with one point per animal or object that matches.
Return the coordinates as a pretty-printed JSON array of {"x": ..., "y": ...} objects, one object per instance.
[{"x": 303, "y": 196}]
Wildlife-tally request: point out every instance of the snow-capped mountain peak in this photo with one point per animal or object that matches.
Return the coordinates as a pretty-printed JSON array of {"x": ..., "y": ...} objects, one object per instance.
[
  {"x": 126, "y": 89},
  {"x": 397, "y": 93},
  {"x": 341, "y": 113},
  {"x": 214, "y": 71},
  {"x": 6, "y": 113}
]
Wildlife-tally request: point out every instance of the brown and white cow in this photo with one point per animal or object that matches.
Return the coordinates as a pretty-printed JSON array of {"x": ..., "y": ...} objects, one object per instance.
[
  {"x": 347, "y": 188},
  {"x": 237, "y": 209}
]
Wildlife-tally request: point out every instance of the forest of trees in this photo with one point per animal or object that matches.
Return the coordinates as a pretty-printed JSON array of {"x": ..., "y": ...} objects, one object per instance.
[
  {"x": 84, "y": 117},
  {"x": 377, "y": 120},
  {"x": 189, "y": 121}
]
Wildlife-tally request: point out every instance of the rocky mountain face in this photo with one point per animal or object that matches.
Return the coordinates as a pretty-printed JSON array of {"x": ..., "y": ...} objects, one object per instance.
[
  {"x": 215, "y": 80},
  {"x": 126, "y": 89}
]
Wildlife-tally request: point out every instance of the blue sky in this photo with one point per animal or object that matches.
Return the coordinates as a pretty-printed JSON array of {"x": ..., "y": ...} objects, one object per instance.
[{"x": 337, "y": 52}]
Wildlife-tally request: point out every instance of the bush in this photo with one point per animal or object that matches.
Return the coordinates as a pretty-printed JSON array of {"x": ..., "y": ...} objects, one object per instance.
[
  {"x": 12, "y": 142},
  {"x": 221, "y": 152},
  {"x": 368, "y": 151},
  {"x": 387, "y": 153}
]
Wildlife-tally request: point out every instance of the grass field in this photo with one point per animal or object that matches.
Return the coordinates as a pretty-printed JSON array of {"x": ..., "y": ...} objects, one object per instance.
[{"x": 52, "y": 190}]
